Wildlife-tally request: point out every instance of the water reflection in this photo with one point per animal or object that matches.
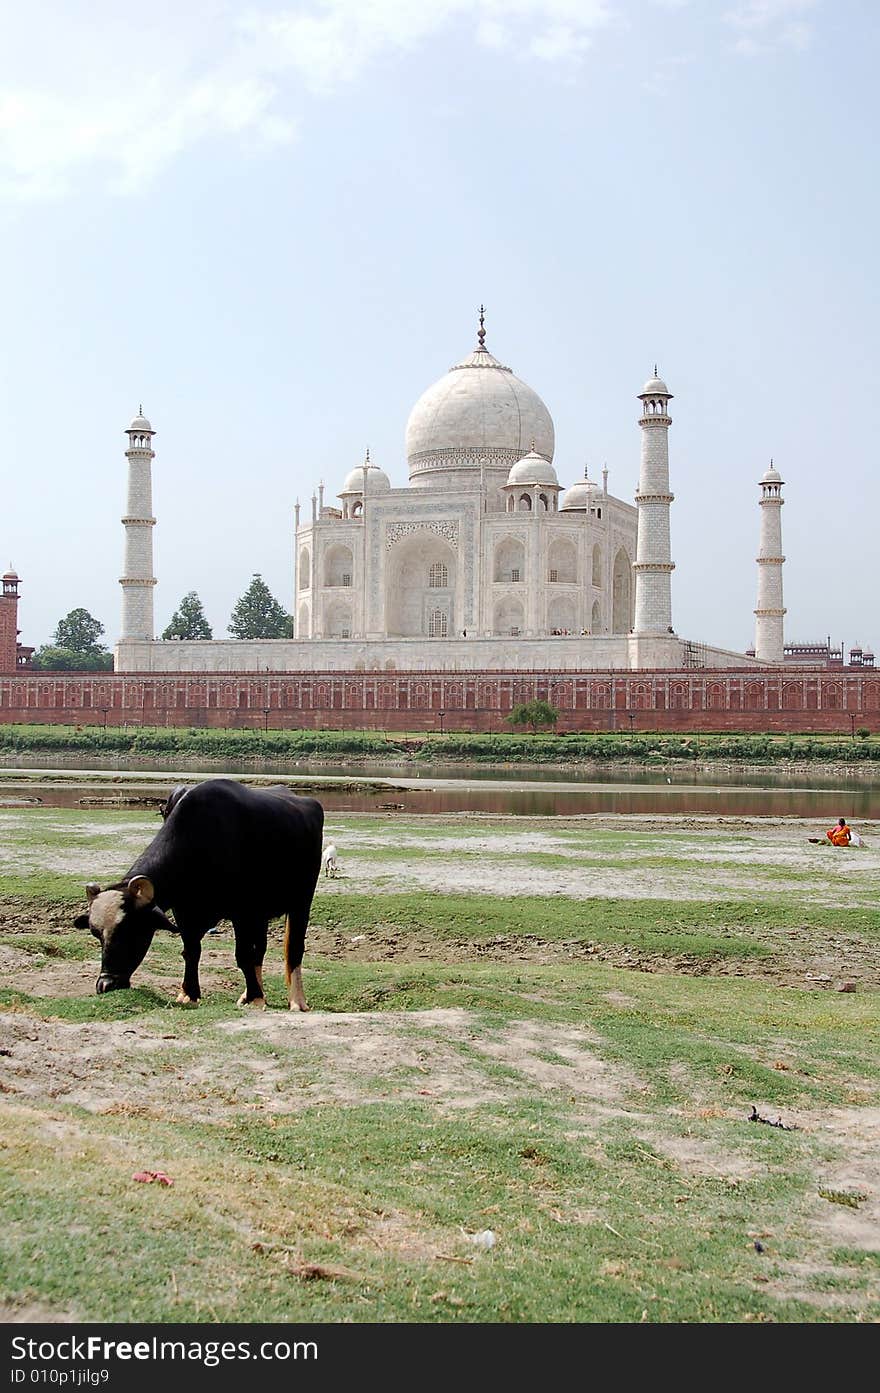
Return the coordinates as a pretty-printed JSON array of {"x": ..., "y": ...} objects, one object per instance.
[
  {"x": 855, "y": 778},
  {"x": 542, "y": 802},
  {"x": 528, "y": 799}
]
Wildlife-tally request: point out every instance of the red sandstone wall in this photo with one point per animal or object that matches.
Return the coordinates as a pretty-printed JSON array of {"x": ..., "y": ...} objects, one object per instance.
[{"x": 753, "y": 700}]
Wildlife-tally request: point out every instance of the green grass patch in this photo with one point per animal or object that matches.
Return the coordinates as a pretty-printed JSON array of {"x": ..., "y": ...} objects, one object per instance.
[
  {"x": 695, "y": 926},
  {"x": 256, "y": 746}
]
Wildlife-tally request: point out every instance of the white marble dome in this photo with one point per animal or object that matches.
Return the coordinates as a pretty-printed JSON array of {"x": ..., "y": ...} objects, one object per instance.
[
  {"x": 655, "y": 387},
  {"x": 140, "y": 424},
  {"x": 772, "y": 476},
  {"x": 533, "y": 469},
  {"x": 377, "y": 481},
  {"x": 579, "y": 497},
  {"x": 480, "y": 413}
]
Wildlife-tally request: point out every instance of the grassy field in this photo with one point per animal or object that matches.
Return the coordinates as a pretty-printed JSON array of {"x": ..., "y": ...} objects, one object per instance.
[{"x": 643, "y": 1057}]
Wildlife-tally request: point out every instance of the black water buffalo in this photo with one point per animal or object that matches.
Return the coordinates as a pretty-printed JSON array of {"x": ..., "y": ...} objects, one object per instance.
[{"x": 223, "y": 851}]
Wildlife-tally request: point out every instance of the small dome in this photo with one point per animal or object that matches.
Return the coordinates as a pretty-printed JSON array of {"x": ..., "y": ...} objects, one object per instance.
[
  {"x": 377, "y": 480},
  {"x": 579, "y": 497},
  {"x": 772, "y": 476},
  {"x": 655, "y": 387},
  {"x": 11, "y": 574},
  {"x": 140, "y": 425},
  {"x": 533, "y": 469}
]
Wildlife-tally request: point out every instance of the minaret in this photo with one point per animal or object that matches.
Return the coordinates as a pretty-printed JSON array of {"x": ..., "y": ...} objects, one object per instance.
[
  {"x": 654, "y": 567},
  {"x": 138, "y": 581},
  {"x": 770, "y": 609},
  {"x": 9, "y": 622}
]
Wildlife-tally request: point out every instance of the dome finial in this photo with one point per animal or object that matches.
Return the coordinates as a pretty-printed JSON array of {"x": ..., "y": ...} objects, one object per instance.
[
  {"x": 367, "y": 456},
  {"x": 481, "y": 332},
  {"x": 656, "y": 373}
]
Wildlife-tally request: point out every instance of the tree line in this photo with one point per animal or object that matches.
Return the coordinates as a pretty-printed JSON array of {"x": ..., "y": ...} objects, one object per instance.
[{"x": 76, "y": 643}]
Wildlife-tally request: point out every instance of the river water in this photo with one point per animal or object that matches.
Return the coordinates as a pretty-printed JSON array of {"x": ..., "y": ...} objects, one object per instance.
[{"x": 671, "y": 790}]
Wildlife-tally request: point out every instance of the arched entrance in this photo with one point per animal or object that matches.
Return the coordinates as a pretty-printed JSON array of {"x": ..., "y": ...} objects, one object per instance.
[{"x": 420, "y": 588}]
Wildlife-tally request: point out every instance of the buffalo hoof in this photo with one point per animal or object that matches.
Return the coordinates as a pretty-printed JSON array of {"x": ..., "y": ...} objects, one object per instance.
[
  {"x": 259, "y": 1002},
  {"x": 183, "y": 1000},
  {"x": 299, "y": 1006}
]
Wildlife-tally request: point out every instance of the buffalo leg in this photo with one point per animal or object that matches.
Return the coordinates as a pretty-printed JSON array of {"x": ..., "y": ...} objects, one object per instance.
[
  {"x": 190, "y": 993},
  {"x": 294, "y": 948},
  {"x": 250, "y": 950}
]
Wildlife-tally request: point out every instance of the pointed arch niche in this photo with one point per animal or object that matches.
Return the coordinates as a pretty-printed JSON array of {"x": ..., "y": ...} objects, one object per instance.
[
  {"x": 338, "y": 565},
  {"x": 337, "y": 620},
  {"x": 621, "y": 593},
  {"x": 597, "y": 564},
  {"x": 562, "y": 562},
  {"x": 509, "y": 562},
  {"x": 509, "y": 617},
  {"x": 562, "y": 615}
]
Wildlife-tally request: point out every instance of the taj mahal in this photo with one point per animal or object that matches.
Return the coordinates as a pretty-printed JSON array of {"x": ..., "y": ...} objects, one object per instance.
[{"x": 485, "y": 561}]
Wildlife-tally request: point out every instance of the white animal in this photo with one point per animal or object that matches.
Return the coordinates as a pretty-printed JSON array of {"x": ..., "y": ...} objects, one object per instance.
[{"x": 331, "y": 865}]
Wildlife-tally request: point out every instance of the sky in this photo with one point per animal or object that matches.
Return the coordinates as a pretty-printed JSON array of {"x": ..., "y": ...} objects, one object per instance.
[{"x": 273, "y": 225}]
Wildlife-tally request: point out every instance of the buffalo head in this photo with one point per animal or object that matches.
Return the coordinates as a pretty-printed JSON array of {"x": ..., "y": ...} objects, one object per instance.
[{"x": 124, "y": 919}]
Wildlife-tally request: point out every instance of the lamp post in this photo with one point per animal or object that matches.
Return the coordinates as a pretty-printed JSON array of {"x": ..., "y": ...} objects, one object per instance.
[
  {"x": 104, "y": 710},
  {"x": 441, "y": 714},
  {"x": 632, "y": 716},
  {"x": 266, "y": 710}
]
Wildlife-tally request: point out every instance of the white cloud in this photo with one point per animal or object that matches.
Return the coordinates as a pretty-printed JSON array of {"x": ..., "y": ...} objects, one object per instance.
[
  {"x": 763, "y": 25},
  {"x": 333, "y": 42},
  {"x": 122, "y": 97},
  {"x": 47, "y": 140},
  {"x": 98, "y": 85}
]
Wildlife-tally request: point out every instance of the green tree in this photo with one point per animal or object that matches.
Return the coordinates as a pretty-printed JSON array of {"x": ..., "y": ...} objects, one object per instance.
[
  {"x": 189, "y": 620},
  {"x": 534, "y": 714},
  {"x": 52, "y": 659},
  {"x": 79, "y": 631},
  {"x": 75, "y": 646},
  {"x": 258, "y": 614}
]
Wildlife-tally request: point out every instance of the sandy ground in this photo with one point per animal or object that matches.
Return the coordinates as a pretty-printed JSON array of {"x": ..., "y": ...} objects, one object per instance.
[{"x": 695, "y": 858}]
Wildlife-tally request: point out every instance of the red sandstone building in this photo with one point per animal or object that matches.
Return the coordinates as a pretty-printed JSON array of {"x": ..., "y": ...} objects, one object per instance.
[{"x": 13, "y": 655}]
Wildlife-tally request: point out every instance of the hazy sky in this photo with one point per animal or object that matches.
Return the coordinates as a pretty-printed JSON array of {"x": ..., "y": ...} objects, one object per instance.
[{"x": 273, "y": 225}]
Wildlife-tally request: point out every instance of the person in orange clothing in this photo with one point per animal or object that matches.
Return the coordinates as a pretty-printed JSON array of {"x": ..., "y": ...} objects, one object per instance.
[{"x": 839, "y": 834}]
